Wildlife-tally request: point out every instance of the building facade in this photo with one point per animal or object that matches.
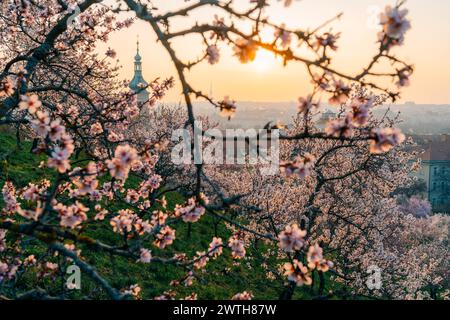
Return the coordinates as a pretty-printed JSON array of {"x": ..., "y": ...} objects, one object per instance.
[
  {"x": 138, "y": 83},
  {"x": 436, "y": 173}
]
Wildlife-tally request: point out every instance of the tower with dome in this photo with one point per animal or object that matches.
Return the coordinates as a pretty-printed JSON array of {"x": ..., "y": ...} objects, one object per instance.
[{"x": 138, "y": 83}]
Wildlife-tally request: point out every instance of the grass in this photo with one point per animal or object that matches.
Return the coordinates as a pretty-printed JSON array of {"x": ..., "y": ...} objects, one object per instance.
[{"x": 18, "y": 164}]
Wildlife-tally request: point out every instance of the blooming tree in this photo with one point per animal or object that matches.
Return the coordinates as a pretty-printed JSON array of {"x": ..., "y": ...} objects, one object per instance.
[{"x": 109, "y": 173}]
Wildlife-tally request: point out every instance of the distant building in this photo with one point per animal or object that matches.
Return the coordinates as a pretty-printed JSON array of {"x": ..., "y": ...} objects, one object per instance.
[
  {"x": 436, "y": 173},
  {"x": 138, "y": 83},
  {"x": 324, "y": 118}
]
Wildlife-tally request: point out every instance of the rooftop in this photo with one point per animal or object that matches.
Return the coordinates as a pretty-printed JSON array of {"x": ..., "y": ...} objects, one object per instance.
[{"x": 438, "y": 150}]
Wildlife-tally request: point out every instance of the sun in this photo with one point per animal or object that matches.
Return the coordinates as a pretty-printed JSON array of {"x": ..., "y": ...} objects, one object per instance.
[{"x": 264, "y": 61}]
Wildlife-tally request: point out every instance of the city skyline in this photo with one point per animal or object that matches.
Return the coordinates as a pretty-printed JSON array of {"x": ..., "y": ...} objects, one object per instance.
[{"x": 266, "y": 80}]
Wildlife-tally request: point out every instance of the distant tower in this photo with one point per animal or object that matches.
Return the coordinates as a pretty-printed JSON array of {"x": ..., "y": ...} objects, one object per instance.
[
  {"x": 324, "y": 118},
  {"x": 138, "y": 82}
]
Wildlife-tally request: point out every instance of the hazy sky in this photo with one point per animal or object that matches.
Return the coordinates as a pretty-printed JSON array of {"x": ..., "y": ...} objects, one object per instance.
[{"x": 427, "y": 46}]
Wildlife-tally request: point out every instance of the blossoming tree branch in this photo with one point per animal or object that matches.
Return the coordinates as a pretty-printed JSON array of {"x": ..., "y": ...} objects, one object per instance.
[{"x": 105, "y": 176}]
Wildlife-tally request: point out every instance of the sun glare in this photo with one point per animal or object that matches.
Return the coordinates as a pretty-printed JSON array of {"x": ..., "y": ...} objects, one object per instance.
[{"x": 264, "y": 61}]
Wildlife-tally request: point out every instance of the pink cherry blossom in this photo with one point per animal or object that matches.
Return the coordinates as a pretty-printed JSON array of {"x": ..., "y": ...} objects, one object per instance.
[
  {"x": 284, "y": 35},
  {"x": 342, "y": 127},
  {"x": 191, "y": 211},
  {"x": 10, "y": 199},
  {"x": 145, "y": 256},
  {"x": 41, "y": 124},
  {"x": 297, "y": 273},
  {"x": 385, "y": 139},
  {"x": 201, "y": 259},
  {"x": 316, "y": 260},
  {"x": 213, "y": 54},
  {"x": 245, "y": 50},
  {"x": 6, "y": 87},
  {"x": 237, "y": 247},
  {"x": 165, "y": 237},
  {"x": 306, "y": 104},
  {"x": 30, "y": 103},
  {"x": 243, "y": 296},
  {"x": 292, "y": 238},
  {"x": 394, "y": 23},
  {"x": 227, "y": 108},
  {"x": 72, "y": 216},
  {"x": 215, "y": 247},
  {"x": 59, "y": 160}
]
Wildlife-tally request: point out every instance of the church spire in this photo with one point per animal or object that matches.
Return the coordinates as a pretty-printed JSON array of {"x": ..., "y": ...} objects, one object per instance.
[
  {"x": 137, "y": 46},
  {"x": 137, "y": 59},
  {"x": 138, "y": 83}
]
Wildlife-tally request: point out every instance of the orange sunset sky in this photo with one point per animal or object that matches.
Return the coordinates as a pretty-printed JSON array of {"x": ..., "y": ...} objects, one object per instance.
[{"x": 427, "y": 46}]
